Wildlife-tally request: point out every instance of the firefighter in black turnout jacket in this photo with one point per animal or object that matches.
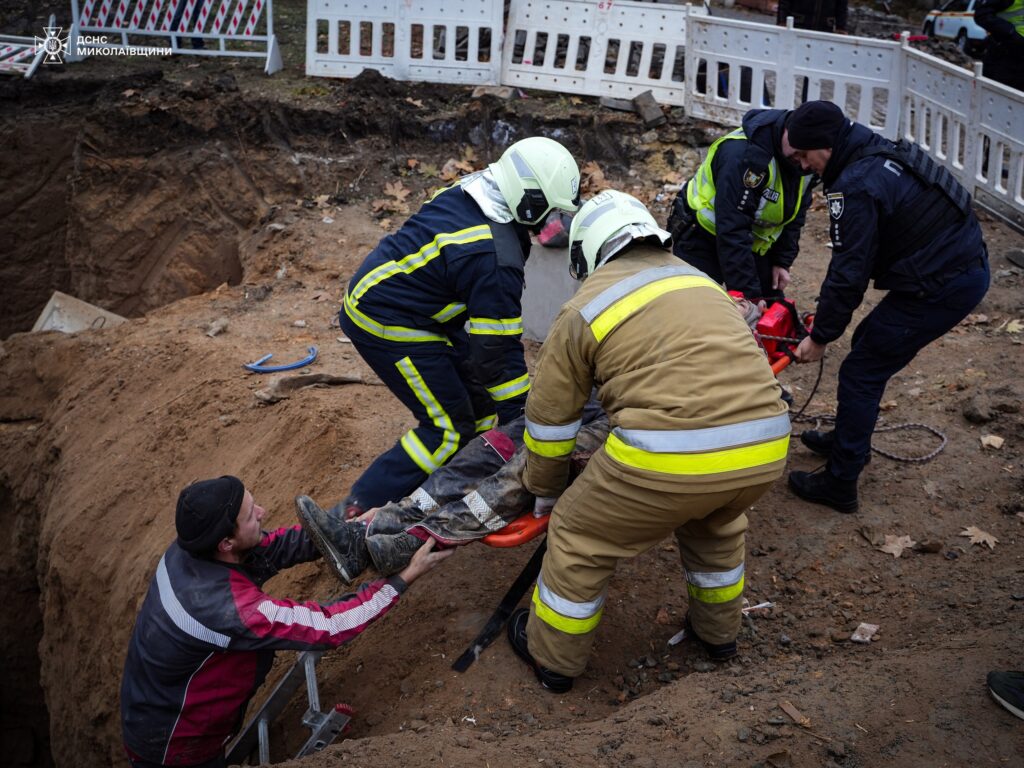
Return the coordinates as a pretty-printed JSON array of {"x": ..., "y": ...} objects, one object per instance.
[
  {"x": 457, "y": 263},
  {"x": 902, "y": 220},
  {"x": 738, "y": 219}
]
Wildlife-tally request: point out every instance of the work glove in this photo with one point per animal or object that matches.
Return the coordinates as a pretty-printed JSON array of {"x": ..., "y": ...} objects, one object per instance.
[{"x": 543, "y": 505}]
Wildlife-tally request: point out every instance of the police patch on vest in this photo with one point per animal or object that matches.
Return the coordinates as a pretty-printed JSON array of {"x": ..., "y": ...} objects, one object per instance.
[
  {"x": 835, "y": 204},
  {"x": 771, "y": 195},
  {"x": 752, "y": 180}
]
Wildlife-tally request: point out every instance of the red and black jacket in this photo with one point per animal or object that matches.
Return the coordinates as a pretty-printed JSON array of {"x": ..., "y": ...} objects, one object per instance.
[{"x": 205, "y": 639}]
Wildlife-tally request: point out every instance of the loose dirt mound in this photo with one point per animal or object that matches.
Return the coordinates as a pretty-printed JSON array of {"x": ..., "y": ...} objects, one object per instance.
[{"x": 256, "y": 212}]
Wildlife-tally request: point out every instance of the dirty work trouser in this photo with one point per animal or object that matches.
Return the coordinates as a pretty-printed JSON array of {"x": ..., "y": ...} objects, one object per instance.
[
  {"x": 433, "y": 381},
  {"x": 884, "y": 343},
  {"x": 601, "y": 519}
]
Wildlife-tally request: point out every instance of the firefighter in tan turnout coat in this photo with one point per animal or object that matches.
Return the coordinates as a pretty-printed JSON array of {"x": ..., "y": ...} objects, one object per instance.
[{"x": 699, "y": 434}]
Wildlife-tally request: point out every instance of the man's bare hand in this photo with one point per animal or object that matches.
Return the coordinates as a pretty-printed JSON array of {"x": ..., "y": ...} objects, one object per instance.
[
  {"x": 423, "y": 561},
  {"x": 809, "y": 351},
  {"x": 780, "y": 278}
]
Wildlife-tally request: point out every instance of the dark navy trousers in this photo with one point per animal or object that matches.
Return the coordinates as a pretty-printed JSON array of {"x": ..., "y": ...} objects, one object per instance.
[
  {"x": 884, "y": 343},
  {"x": 435, "y": 381}
]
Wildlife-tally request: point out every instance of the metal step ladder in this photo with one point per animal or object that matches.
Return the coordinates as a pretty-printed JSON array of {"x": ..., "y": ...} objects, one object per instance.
[{"x": 325, "y": 726}]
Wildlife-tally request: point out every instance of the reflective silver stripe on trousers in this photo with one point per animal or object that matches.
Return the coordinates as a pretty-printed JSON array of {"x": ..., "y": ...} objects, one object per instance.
[
  {"x": 483, "y": 512},
  {"x": 568, "y": 607},
  {"x": 708, "y": 439},
  {"x": 181, "y": 618},
  {"x": 423, "y": 500},
  {"x": 542, "y": 432},
  {"x": 714, "y": 580},
  {"x": 625, "y": 287}
]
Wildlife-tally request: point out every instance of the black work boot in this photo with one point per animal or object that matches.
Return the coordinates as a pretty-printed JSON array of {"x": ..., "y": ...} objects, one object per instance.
[
  {"x": 821, "y": 442},
  {"x": 553, "y": 681},
  {"x": 391, "y": 552},
  {"x": 342, "y": 543},
  {"x": 822, "y": 487},
  {"x": 720, "y": 652}
]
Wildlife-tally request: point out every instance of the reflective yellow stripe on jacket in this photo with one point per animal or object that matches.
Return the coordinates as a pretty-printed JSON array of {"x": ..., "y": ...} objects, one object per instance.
[
  {"x": 712, "y": 450},
  {"x": 551, "y": 441},
  {"x": 405, "y": 266}
]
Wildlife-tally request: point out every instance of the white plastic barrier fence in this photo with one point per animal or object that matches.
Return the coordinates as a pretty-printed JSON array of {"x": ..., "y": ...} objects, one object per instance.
[
  {"x": 735, "y": 66},
  {"x": 19, "y": 55},
  {"x": 973, "y": 125},
  {"x": 225, "y": 27},
  {"x": 597, "y": 47},
  {"x": 438, "y": 41},
  {"x": 717, "y": 68}
]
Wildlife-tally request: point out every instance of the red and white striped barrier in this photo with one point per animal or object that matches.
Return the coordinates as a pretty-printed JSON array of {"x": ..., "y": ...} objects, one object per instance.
[
  {"x": 225, "y": 27},
  {"x": 20, "y": 56}
]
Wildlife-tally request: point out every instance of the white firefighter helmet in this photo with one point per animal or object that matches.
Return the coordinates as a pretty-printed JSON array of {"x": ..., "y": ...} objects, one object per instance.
[
  {"x": 536, "y": 175},
  {"x": 605, "y": 224}
]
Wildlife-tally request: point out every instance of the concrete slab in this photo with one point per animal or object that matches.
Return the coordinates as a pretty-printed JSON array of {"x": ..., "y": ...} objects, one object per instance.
[
  {"x": 548, "y": 287},
  {"x": 67, "y": 314}
]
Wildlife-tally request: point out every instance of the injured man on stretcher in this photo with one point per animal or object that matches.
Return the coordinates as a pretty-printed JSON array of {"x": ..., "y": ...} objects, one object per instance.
[{"x": 479, "y": 492}]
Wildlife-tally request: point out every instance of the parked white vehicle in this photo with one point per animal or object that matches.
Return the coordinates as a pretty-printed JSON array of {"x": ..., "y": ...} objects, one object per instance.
[{"x": 954, "y": 20}]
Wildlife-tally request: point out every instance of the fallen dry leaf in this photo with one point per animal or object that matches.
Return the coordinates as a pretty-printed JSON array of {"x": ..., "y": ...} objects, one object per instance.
[
  {"x": 1014, "y": 326},
  {"x": 469, "y": 155},
  {"x": 385, "y": 223},
  {"x": 397, "y": 190},
  {"x": 662, "y": 617},
  {"x": 415, "y": 102},
  {"x": 895, "y": 545},
  {"x": 450, "y": 171},
  {"x": 888, "y": 405},
  {"x": 411, "y": 163},
  {"x": 321, "y": 200},
  {"x": 128, "y": 93},
  {"x": 978, "y": 536},
  {"x": 975, "y": 319},
  {"x": 593, "y": 179},
  {"x": 992, "y": 441}
]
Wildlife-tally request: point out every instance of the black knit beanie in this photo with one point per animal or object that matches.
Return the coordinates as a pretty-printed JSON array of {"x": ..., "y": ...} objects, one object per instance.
[
  {"x": 815, "y": 125},
  {"x": 207, "y": 511}
]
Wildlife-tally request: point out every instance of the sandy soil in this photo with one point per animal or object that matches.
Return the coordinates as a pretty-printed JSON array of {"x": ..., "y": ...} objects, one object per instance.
[{"x": 194, "y": 192}]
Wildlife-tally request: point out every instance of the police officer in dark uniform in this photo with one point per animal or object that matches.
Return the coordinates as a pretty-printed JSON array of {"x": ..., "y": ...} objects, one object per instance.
[
  {"x": 902, "y": 220},
  {"x": 1003, "y": 60},
  {"x": 738, "y": 219}
]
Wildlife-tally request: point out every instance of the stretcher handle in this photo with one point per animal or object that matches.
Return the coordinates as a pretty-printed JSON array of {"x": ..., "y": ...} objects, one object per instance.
[
  {"x": 779, "y": 365},
  {"x": 524, "y": 528}
]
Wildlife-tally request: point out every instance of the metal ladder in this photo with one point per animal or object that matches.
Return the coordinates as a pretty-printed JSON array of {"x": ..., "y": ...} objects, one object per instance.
[{"x": 325, "y": 726}]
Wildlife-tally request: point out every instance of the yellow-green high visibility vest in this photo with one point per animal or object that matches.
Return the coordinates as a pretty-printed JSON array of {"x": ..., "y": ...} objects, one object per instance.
[
  {"x": 1015, "y": 15},
  {"x": 769, "y": 218}
]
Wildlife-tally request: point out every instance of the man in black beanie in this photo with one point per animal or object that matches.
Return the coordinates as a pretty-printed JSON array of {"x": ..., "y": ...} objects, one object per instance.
[
  {"x": 902, "y": 220},
  {"x": 205, "y": 636},
  {"x": 738, "y": 219}
]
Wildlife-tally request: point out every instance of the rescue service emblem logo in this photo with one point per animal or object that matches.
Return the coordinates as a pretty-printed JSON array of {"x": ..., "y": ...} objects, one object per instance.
[
  {"x": 835, "y": 204},
  {"x": 752, "y": 180}
]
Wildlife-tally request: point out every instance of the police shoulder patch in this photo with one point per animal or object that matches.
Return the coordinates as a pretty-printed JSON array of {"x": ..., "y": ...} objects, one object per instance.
[
  {"x": 752, "y": 179},
  {"x": 835, "y": 204}
]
